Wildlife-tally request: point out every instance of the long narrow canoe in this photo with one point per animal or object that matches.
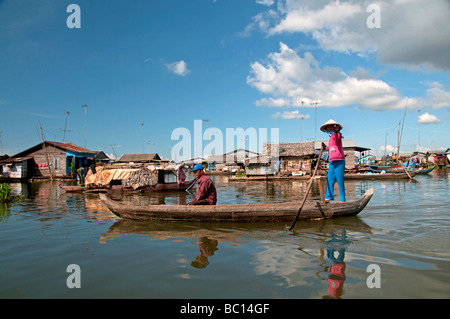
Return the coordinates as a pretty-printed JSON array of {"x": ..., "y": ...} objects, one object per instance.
[
  {"x": 380, "y": 176},
  {"x": 273, "y": 212},
  {"x": 148, "y": 188},
  {"x": 80, "y": 189},
  {"x": 379, "y": 168},
  {"x": 419, "y": 171}
]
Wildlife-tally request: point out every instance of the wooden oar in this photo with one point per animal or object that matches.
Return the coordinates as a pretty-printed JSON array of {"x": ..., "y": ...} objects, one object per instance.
[
  {"x": 307, "y": 190},
  {"x": 404, "y": 168},
  {"x": 192, "y": 185}
]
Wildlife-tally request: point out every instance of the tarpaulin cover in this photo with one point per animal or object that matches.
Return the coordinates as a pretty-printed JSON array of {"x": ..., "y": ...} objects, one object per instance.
[{"x": 103, "y": 177}]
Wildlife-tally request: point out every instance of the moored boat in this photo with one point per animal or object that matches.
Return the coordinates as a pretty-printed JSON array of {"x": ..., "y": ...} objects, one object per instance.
[
  {"x": 381, "y": 176},
  {"x": 148, "y": 188},
  {"x": 80, "y": 189},
  {"x": 385, "y": 168},
  {"x": 271, "y": 212}
]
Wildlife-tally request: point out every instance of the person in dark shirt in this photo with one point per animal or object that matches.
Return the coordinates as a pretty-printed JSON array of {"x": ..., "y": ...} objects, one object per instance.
[{"x": 206, "y": 191}]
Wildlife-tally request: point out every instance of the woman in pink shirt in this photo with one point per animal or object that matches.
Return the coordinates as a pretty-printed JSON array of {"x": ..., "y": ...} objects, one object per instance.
[{"x": 337, "y": 160}]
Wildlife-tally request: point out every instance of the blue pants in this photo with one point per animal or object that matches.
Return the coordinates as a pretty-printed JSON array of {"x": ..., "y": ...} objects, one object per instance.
[{"x": 336, "y": 174}]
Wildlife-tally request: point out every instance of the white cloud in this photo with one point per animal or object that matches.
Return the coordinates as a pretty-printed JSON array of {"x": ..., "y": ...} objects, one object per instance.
[
  {"x": 302, "y": 19},
  {"x": 290, "y": 115},
  {"x": 427, "y": 118},
  {"x": 289, "y": 79},
  {"x": 280, "y": 102},
  {"x": 389, "y": 148},
  {"x": 437, "y": 97},
  {"x": 266, "y": 2},
  {"x": 179, "y": 68},
  {"x": 413, "y": 33}
]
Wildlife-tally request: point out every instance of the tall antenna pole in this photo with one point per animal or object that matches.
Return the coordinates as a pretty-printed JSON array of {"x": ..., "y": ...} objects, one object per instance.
[
  {"x": 400, "y": 134},
  {"x": 1, "y": 143},
  {"x": 143, "y": 146},
  {"x": 301, "y": 124},
  {"x": 113, "y": 146},
  {"x": 85, "y": 118},
  {"x": 315, "y": 119},
  {"x": 65, "y": 126},
  {"x": 44, "y": 146}
]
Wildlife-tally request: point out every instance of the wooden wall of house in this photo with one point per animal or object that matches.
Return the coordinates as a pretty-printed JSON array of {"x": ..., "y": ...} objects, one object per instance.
[
  {"x": 56, "y": 157},
  {"x": 291, "y": 164},
  {"x": 350, "y": 159},
  {"x": 14, "y": 170}
]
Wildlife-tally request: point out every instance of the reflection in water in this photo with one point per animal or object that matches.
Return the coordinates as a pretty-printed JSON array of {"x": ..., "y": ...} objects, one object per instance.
[
  {"x": 207, "y": 248},
  {"x": 273, "y": 250},
  {"x": 336, "y": 246},
  {"x": 404, "y": 229}
]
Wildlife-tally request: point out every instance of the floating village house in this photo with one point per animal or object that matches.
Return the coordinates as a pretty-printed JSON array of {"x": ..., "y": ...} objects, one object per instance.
[
  {"x": 132, "y": 161},
  {"x": 296, "y": 158},
  {"x": 230, "y": 161},
  {"x": 101, "y": 157},
  {"x": 350, "y": 149},
  {"x": 291, "y": 157},
  {"x": 139, "y": 158},
  {"x": 47, "y": 159}
]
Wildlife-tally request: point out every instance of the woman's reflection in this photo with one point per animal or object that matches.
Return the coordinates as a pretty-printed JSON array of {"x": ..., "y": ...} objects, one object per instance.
[{"x": 336, "y": 272}]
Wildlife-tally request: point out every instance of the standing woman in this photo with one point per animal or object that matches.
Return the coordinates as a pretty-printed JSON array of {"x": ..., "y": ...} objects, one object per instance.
[{"x": 337, "y": 159}]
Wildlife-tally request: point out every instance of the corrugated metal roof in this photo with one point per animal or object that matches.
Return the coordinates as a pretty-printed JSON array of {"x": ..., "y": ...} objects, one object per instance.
[
  {"x": 71, "y": 147},
  {"x": 15, "y": 159},
  {"x": 64, "y": 146},
  {"x": 139, "y": 158}
]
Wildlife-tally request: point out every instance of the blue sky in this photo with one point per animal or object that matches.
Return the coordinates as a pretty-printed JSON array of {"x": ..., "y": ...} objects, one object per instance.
[{"x": 146, "y": 68}]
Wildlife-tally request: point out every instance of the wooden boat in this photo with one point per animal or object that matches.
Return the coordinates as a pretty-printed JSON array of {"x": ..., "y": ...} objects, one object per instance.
[
  {"x": 425, "y": 170},
  {"x": 273, "y": 212},
  {"x": 156, "y": 188},
  {"x": 386, "y": 168},
  {"x": 412, "y": 171},
  {"x": 380, "y": 176},
  {"x": 80, "y": 189},
  {"x": 149, "y": 188}
]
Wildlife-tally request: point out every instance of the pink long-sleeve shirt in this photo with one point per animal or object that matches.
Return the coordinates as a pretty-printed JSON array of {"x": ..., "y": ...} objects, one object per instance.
[{"x": 335, "y": 149}]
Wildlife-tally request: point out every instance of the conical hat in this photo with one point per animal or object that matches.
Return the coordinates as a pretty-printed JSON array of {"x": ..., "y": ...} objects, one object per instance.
[{"x": 330, "y": 122}]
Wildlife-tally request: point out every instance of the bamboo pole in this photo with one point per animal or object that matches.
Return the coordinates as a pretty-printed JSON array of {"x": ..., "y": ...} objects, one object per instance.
[{"x": 308, "y": 189}]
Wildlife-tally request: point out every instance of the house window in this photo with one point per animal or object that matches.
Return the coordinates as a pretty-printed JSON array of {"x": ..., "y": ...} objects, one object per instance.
[{"x": 56, "y": 163}]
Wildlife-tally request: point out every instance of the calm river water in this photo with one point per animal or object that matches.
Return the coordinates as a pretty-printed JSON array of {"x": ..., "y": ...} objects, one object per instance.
[{"x": 404, "y": 233}]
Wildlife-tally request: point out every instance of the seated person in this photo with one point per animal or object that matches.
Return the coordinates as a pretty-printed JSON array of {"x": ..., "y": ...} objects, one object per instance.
[{"x": 206, "y": 191}]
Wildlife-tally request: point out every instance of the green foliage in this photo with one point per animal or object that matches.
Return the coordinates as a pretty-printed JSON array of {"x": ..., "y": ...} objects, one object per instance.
[
  {"x": 240, "y": 174},
  {"x": 5, "y": 193},
  {"x": 72, "y": 168}
]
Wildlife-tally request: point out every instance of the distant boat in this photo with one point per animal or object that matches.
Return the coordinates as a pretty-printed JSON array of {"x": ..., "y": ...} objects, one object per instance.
[
  {"x": 388, "y": 167},
  {"x": 415, "y": 171}
]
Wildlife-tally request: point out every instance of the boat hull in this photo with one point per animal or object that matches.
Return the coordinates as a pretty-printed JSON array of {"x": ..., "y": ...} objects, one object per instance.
[
  {"x": 149, "y": 188},
  {"x": 273, "y": 212}
]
